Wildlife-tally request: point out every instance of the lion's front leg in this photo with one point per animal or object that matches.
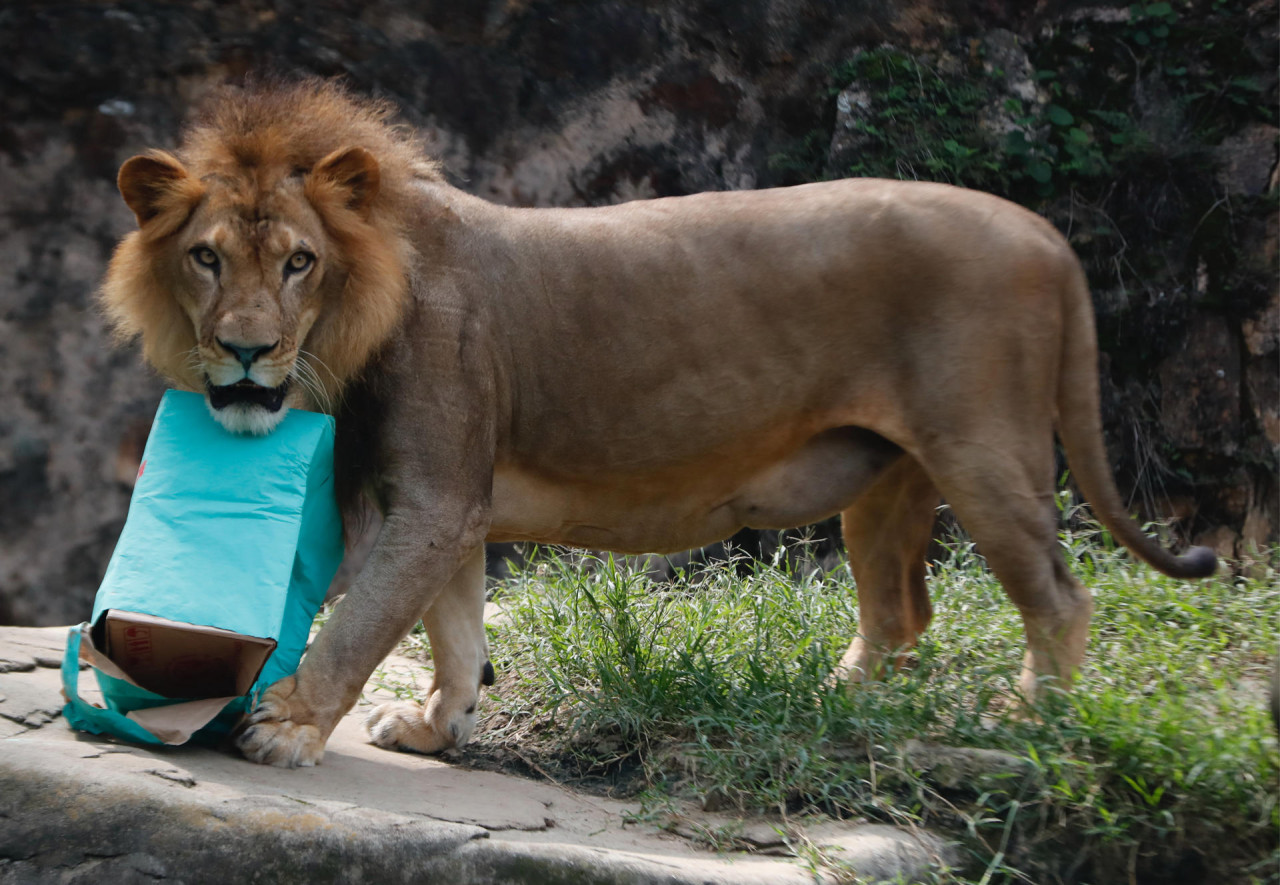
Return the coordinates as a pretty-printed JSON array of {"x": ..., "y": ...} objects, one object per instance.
[
  {"x": 415, "y": 557},
  {"x": 460, "y": 655}
]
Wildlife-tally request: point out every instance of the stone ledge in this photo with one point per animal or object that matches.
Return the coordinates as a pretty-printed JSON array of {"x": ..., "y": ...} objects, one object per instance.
[{"x": 82, "y": 808}]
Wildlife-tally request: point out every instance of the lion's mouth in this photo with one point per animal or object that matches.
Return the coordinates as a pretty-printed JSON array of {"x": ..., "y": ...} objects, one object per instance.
[{"x": 246, "y": 392}]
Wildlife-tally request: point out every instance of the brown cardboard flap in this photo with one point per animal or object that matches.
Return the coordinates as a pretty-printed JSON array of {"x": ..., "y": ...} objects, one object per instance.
[{"x": 181, "y": 660}]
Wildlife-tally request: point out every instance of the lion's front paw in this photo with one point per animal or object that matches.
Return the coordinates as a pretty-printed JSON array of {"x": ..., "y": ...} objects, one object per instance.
[
  {"x": 272, "y": 738},
  {"x": 404, "y": 726}
]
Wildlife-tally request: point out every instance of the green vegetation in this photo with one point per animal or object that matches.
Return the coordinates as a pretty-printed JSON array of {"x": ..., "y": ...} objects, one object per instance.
[
  {"x": 1161, "y": 765},
  {"x": 921, "y": 123},
  {"x": 1111, "y": 97},
  {"x": 1115, "y": 145}
]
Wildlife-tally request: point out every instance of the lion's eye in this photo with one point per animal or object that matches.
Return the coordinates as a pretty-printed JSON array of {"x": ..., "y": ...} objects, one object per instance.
[
  {"x": 298, "y": 262},
  {"x": 205, "y": 256}
]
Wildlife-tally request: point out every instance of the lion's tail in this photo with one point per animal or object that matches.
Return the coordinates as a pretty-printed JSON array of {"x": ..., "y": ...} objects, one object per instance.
[{"x": 1080, "y": 429}]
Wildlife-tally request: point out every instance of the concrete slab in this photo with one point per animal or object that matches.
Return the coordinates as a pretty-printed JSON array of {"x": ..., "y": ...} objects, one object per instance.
[{"x": 81, "y": 807}]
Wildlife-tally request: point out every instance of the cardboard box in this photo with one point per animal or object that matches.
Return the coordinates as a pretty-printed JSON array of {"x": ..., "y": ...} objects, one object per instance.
[{"x": 180, "y": 660}]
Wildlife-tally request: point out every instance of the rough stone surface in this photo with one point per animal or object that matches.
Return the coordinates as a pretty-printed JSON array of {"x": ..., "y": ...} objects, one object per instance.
[
  {"x": 526, "y": 103},
  {"x": 1200, "y": 384},
  {"x": 880, "y": 853},
  {"x": 82, "y": 808},
  {"x": 1247, "y": 160},
  {"x": 1221, "y": 540},
  {"x": 1262, "y": 332},
  {"x": 532, "y": 103},
  {"x": 1263, "y": 387},
  {"x": 853, "y": 111},
  {"x": 969, "y": 768}
]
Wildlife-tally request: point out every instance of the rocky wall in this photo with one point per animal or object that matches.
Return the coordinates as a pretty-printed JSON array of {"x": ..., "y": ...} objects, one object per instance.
[{"x": 562, "y": 103}]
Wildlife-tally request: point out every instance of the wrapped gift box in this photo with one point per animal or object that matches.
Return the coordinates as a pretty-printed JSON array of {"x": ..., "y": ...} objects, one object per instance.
[{"x": 225, "y": 558}]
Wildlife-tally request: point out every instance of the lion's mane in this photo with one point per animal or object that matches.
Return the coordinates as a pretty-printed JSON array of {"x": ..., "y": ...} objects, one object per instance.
[{"x": 244, "y": 139}]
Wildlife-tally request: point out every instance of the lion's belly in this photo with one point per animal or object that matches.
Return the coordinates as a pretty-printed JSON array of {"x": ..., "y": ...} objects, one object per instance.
[
  {"x": 529, "y": 508},
  {"x": 697, "y": 505}
]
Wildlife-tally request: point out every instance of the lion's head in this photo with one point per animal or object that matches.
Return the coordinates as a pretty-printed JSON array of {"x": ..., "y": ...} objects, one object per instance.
[{"x": 271, "y": 259}]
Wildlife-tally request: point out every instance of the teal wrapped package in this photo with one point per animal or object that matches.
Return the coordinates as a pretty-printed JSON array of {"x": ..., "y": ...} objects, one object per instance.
[{"x": 225, "y": 558}]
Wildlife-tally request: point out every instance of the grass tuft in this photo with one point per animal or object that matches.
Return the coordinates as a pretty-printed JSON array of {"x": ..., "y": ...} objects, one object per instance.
[{"x": 1161, "y": 766}]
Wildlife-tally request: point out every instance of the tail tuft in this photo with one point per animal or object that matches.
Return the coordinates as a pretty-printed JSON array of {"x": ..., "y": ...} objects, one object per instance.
[{"x": 1198, "y": 562}]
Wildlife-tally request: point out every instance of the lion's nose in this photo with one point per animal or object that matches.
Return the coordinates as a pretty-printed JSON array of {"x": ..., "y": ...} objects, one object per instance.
[{"x": 246, "y": 353}]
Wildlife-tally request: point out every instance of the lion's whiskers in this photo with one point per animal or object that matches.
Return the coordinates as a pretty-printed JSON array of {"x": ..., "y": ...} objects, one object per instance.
[
  {"x": 333, "y": 398},
  {"x": 313, "y": 358},
  {"x": 311, "y": 383},
  {"x": 305, "y": 383},
  {"x": 303, "y": 374},
  {"x": 192, "y": 360},
  {"x": 322, "y": 392}
]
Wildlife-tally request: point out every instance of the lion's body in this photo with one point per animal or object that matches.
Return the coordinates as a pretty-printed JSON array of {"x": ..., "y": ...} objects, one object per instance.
[
  {"x": 652, "y": 377},
  {"x": 653, "y": 361}
]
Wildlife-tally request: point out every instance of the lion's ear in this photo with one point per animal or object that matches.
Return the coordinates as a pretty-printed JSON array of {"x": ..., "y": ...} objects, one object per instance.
[
  {"x": 155, "y": 184},
  {"x": 353, "y": 173}
]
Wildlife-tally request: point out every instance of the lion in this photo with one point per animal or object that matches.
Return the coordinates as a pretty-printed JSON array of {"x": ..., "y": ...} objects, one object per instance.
[{"x": 644, "y": 377}]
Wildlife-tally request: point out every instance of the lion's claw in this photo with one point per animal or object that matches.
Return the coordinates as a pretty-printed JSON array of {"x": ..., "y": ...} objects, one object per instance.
[
  {"x": 281, "y": 743},
  {"x": 271, "y": 737},
  {"x": 268, "y": 710}
]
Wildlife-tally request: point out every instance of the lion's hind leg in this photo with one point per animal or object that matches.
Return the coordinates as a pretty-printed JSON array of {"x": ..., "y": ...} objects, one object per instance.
[
  {"x": 887, "y": 532},
  {"x": 460, "y": 655},
  {"x": 1004, "y": 499}
]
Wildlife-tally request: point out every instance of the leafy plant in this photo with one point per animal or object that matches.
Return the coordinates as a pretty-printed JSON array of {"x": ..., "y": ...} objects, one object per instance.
[
  {"x": 921, "y": 123},
  {"x": 1151, "y": 23}
]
